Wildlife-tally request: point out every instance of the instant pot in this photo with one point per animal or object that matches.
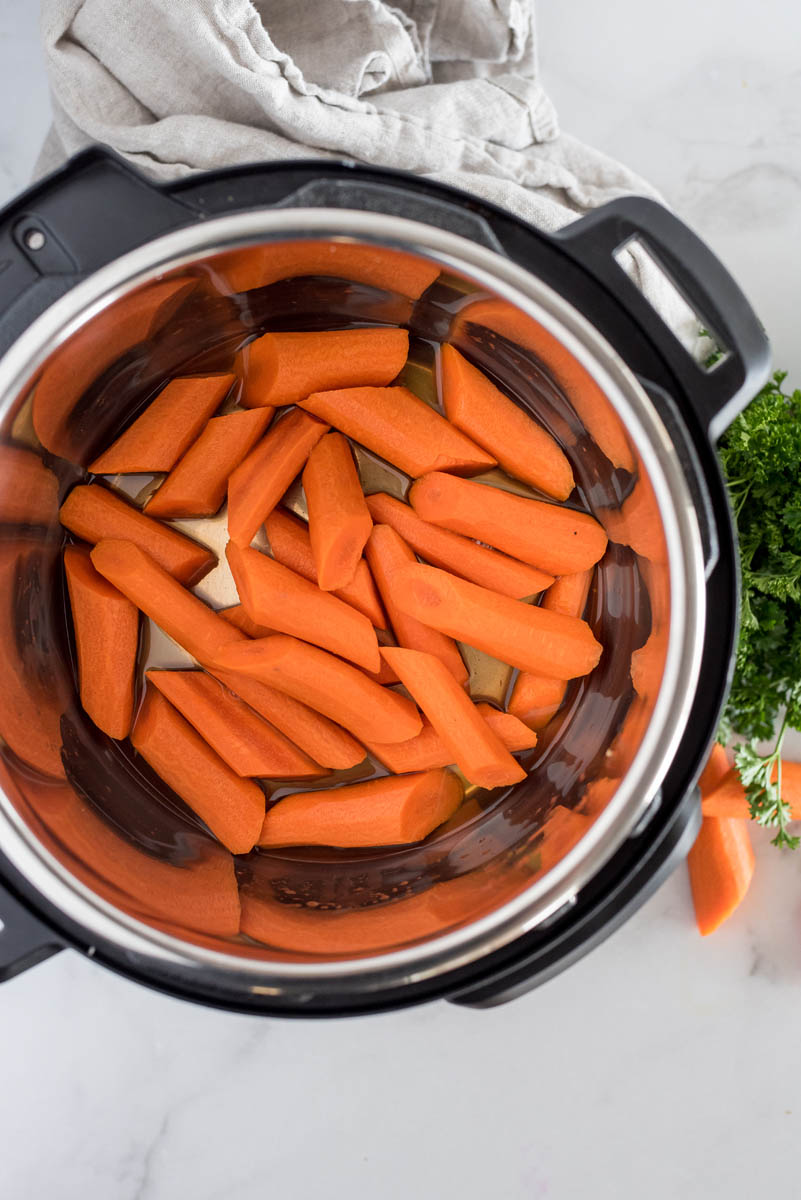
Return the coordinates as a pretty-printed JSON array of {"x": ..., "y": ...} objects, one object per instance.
[{"x": 109, "y": 286}]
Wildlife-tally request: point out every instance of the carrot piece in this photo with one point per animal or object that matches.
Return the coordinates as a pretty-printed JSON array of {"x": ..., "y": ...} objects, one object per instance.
[
  {"x": 321, "y": 739},
  {"x": 236, "y": 615},
  {"x": 182, "y": 616},
  {"x": 637, "y": 523},
  {"x": 555, "y": 539},
  {"x": 339, "y": 519},
  {"x": 196, "y": 486},
  {"x": 233, "y": 808},
  {"x": 397, "y": 425},
  {"x": 283, "y": 368},
  {"x": 291, "y": 545},
  {"x": 588, "y": 400},
  {"x": 261, "y": 479},
  {"x": 242, "y": 739},
  {"x": 428, "y": 750},
  {"x": 381, "y": 812},
  {"x": 522, "y": 447},
  {"x": 458, "y": 554},
  {"x": 28, "y": 489},
  {"x": 274, "y": 596},
  {"x": 391, "y": 270},
  {"x": 530, "y": 638},
  {"x": 476, "y": 749},
  {"x": 721, "y": 864},
  {"x": 94, "y": 513},
  {"x": 728, "y": 798},
  {"x": 569, "y": 593},
  {"x": 106, "y": 626},
  {"x": 716, "y": 769},
  {"x": 325, "y": 683},
  {"x": 387, "y": 553}
]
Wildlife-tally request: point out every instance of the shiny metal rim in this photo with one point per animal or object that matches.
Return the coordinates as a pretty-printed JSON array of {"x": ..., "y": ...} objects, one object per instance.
[{"x": 559, "y": 888}]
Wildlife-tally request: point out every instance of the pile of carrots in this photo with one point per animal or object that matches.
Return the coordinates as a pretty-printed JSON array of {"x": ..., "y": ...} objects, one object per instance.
[{"x": 345, "y": 642}]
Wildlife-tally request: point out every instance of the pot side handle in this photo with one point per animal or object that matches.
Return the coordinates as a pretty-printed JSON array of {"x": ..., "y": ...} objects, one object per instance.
[{"x": 24, "y": 940}]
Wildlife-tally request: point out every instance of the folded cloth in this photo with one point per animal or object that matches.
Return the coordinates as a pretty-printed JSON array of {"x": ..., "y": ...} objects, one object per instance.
[{"x": 448, "y": 89}]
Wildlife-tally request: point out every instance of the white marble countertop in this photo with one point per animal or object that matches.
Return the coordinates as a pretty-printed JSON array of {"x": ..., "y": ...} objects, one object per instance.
[{"x": 661, "y": 1066}]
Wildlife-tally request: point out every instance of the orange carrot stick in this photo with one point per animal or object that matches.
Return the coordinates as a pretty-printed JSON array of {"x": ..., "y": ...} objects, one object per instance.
[
  {"x": 233, "y": 808},
  {"x": 167, "y": 427},
  {"x": 721, "y": 864},
  {"x": 452, "y": 552},
  {"x": 261, "y": 479},
  {"x": 401, "y": 428},
  {"x": 321, "y": 739},
  {"x": 236, "y": 615},
  {"x": 716, "y": 769},
  {"x": 474, "y": 746},
  {"x": 555, "y": 539},
  {"x": 728, "y": 798},
  {"x": 387, "y": 553},
  {"x": 381, "y": 812},
  {"x": 339, "y": 519},
  {"x": 241, "y": 738},
  {"x": 532, "y": 639},
  {"x": 28, "y": 489},
  {"x": 291, "y": 545},
  {"x": 184, "y": 618},
  {"x": 274, "y": 596},
  {"x": 106, "y": 628},
  {"x": 391, "y": 270},
  {"x": 94, "y": 513},
  {"x": 522, "y": 447},
  {"x": 428, "y": 750},
  {"x": 325, "y": 683},
  {"x": 284, "y": 368},
  {"x": 196, "y": 486}
]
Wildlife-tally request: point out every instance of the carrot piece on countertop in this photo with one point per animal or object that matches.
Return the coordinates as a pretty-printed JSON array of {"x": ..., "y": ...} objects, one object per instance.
[
  {"x": 720, "y": 864},
  {"x": 378, "y": 266},
  {"x": 395, "y": 810},
  {"x": 106, "y": 626},
  {"x": 261, "y": 479},
  {"x": 715, "y": 770},
  {"x": 400, "y": 427},
  {"x": 530, "y": 638},
  {"x": 167, "y": 427},
  {"x": 387, "y": 553},
  {"x": 283, "y": 368},
  {"x": 443, "y": 548},
  {"x": 326, "y": 683},
  {"x": 235, "y": 615},
  {"x": 247, "y": 743},
  {"x": 428, "y": 750},
  {"x": 339, "y": 519},
  {"x": 94, "y": 514},
  {"x": 476, "y": 749},
  {"x": 28, "y": 489},
  {"x": 322, "y": 740},
  {"x": 522, "y": 447},
  {"x": 182, "y": 616},
  {"x": 728, "y": 798},
  {"x": 556, "y": 539},
  {"x": 274, "y": 596},
  {"x": 233, "y": 808},
  {"x": 291, "y": 545},
  {"x": 196, "y": 486}
]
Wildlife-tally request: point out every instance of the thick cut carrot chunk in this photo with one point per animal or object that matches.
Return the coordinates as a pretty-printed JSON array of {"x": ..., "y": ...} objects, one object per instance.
[
  {"x": 106, "y": 626},
  {"x": 391, "y": 270},
  {"x": 721, "y": 864},
  {"x": 321, "y": 739},
  {"x": 274, "y": 596},
  {"x": 382, "y": 812},
  {"x": 196, "y": 486},
  {"x": 554, "y": 539},
  {"x": 184, "y": 618},
  {"x": 476, "y": 749},
  {"x": 401, "y": 428},
  {"x": 283, "y": 368},
  {"x": 236, "y": 615},
  {"x": 94, "y": 514},
  {"x": 291, "y": 545},
  {"x": 428, "y": 750},
  {"x": 522, "y": 447},
  {"x": 728, "y": 798},
  {"x": 339, "y": 519},
  {"x": 325, "y": 683},
  {"x": 28, "y": 489},
  {"x": 261, "y": 479},
  {"x": 387, "y": 553},
  {"x": 233, "y": 808},
  {"x": 443, "y": 548},
  {"x": 715, "y": 771},
  {"x": 532, "y": 639}
]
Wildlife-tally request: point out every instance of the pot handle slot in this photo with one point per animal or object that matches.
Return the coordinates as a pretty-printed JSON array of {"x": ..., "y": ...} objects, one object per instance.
[
  {"x": 24, "y": 940},
  {"x": 717, "y": 393}
]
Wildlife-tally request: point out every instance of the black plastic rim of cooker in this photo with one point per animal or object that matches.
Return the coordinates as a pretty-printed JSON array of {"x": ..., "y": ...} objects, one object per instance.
[{"x": 97, "y": 208}]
